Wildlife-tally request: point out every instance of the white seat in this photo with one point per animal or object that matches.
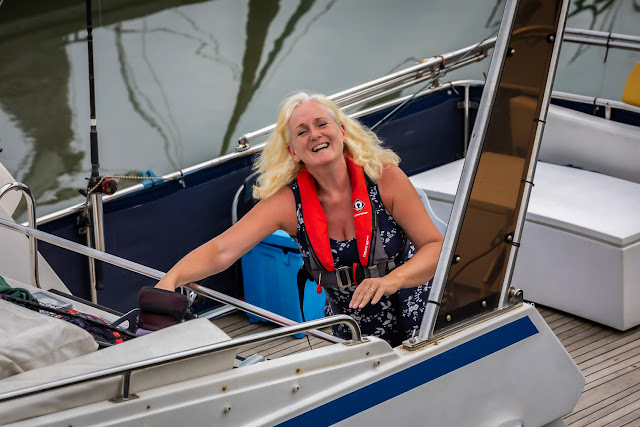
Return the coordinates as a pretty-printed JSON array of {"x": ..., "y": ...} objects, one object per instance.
[
  {"x": 591, "y": 143},
  {"x": 580, "y": 249},
  {"x": 180, "y": 337},
  {"x": 31, "y": 340}
]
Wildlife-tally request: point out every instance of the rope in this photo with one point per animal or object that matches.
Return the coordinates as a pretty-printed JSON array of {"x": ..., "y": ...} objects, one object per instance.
[
  {"x": 442, "y": 64},
  {"x": 606, "y": 52},
  {"x": 51, "y": 309}
]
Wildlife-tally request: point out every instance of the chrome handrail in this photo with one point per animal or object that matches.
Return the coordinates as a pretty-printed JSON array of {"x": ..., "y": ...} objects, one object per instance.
[
  {"x": 126, "y": 369},
  {"x": 379, "y": 87},
  {"x": 33, "y": 243},
  {"x": 156, "y": 274},
  {"x": 384, "y": 86},
  {"x": 602, "y": 38}
]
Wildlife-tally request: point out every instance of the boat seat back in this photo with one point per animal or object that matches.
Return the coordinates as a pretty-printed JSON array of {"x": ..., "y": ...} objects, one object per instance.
[
  {"x": 440, "y": 224},
  {"x": 177, "y": 338},
  {"x": 592, "y": 143},
  {"x": 243, "y": 200},
  {"x": 631, "y": 92}
]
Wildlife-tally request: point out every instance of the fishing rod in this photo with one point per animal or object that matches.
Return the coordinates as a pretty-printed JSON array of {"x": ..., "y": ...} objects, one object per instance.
[{"x": 93, "y": 227}]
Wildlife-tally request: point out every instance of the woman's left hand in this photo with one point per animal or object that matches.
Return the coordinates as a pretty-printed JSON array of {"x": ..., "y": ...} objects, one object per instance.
[{"x": 371, "y": 290}]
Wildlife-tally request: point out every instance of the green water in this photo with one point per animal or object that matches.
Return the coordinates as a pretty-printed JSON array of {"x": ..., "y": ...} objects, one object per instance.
[{"x": 179, "y": 81}]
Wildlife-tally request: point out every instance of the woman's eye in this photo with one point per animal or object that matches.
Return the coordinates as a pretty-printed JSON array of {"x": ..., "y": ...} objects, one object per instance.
[
  {"x": 322, "y": 124},
  {"x": 301, "y": 132}
]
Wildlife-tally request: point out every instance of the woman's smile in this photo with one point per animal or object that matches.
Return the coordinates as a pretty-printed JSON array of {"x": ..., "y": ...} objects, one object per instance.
[{"x": 320, "y": 147}]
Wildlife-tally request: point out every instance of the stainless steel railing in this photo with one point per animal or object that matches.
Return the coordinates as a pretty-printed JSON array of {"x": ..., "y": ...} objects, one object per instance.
[
  {"x": 602, "y": 38},
  {"x": 126, "y": 369},
  {"x": 33, "y": 243},
  {"x": 379, "y": 88},
  {"x": 156, "y": 274},
  {"x": 290, "y": 327}
]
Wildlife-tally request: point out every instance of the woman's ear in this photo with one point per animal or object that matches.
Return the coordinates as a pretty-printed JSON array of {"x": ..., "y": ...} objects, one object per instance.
[{"x": 293, "y": 154}]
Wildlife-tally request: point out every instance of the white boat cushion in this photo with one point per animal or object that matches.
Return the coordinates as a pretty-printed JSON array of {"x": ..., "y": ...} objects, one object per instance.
[
  {"x": 30, "y": 340},
  {"x": 181, "y": 337},
  {"x": 586, "y": 203},
  {"x": 591, "y": 143}
]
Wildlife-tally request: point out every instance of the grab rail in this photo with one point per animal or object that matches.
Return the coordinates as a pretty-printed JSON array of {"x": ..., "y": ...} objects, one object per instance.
[
  {"x": 127, "y": 369},
  {"x": 156, "y": 274},
  {"x": 427, "y": 68},
  {"x": 33, "y": 243},
  {"x": 378, "y": 88},
  {"x": 602, "y": 38}
]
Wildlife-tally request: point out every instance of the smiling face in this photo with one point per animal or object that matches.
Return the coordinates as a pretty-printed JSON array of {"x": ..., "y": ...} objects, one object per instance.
[{"x": 315, "y": 136}]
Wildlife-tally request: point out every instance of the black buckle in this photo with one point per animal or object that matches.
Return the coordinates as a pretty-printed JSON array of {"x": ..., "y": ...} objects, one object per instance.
[
  {"x": 343, "y": 277},
  {"x": 359, "y": 273}
]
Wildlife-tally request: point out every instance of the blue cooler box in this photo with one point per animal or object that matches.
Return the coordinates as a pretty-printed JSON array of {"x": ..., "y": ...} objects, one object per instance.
[{"x": 270, "y": 272}]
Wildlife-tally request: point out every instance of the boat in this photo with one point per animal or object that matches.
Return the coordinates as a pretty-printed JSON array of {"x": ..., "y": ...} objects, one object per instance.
[{"x": 483, "y": 356}]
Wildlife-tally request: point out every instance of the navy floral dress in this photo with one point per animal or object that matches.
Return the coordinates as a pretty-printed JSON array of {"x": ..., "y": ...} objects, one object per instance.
[{"x": 379, "y": 319}]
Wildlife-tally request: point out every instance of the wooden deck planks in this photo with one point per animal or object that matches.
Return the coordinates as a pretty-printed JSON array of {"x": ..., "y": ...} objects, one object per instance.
[
  {"x": 237, "y": 324},
  {"x": 609, "y": 359}
]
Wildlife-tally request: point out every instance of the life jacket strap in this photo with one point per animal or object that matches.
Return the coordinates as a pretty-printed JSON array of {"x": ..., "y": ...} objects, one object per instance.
[{"x": 346, "y": 276}]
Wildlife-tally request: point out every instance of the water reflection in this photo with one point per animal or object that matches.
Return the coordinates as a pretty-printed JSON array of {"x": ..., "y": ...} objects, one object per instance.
[{"x": 177, "y": 82}]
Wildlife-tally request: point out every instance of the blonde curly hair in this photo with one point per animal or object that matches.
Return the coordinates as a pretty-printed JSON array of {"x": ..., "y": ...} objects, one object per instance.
[{"x": 278, "y": 169}]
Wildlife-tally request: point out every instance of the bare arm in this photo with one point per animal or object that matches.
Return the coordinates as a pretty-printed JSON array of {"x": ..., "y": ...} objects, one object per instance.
[
  {"x": 403, "y": 203},
  {"x": 219, "y": 253}
]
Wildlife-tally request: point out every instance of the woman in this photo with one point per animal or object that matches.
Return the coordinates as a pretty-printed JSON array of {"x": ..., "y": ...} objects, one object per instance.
[{"x": 325, "y": 179}]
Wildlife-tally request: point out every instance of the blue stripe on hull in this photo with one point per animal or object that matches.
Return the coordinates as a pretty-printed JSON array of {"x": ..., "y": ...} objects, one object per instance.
[{"x": 415, "y": 376}]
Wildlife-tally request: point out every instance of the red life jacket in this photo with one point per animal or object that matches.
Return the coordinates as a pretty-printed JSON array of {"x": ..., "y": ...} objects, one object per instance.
[{"x": 373, "y": 258}]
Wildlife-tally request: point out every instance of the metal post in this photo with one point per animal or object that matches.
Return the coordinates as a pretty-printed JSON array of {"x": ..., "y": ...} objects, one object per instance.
[
  {"x": 92, "y": 269},
  {"x": 466, "y": 119}
]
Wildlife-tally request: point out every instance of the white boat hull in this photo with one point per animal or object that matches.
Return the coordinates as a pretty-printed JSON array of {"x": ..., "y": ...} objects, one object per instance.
[{"x": 510, "y": 368}]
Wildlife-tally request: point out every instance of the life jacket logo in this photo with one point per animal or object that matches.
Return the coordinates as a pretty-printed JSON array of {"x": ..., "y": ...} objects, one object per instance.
[{"x": 358, "y": 205}]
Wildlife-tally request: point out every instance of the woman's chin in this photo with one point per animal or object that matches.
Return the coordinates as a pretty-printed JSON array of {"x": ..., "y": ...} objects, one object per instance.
[{"x": 322, "y": 158}]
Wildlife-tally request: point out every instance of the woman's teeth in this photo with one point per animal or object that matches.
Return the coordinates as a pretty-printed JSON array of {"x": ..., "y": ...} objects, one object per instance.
[{"x": 319, "y": 147}]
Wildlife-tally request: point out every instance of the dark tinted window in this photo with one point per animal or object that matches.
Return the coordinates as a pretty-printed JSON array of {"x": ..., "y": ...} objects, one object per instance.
[{"x": 474, "y": 284}]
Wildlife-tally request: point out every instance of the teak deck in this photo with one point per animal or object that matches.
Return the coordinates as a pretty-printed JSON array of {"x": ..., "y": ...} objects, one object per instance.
[{"x": 609, "y": 359}]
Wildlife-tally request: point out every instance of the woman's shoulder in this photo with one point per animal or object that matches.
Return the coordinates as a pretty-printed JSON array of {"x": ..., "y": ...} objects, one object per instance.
[
  {"x": 391, "y": 175},
  {"x": 392, "y": 182},
  {"x": 283, "y": 197},
  {"x": 283, "y": 204}
]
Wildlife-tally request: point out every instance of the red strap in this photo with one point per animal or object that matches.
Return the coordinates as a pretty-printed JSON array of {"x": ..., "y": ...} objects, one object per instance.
[
  {"x": 316, "y": 221},
  {"x": 362, "y": 215},
  {"x": 353, "y": 271}
]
